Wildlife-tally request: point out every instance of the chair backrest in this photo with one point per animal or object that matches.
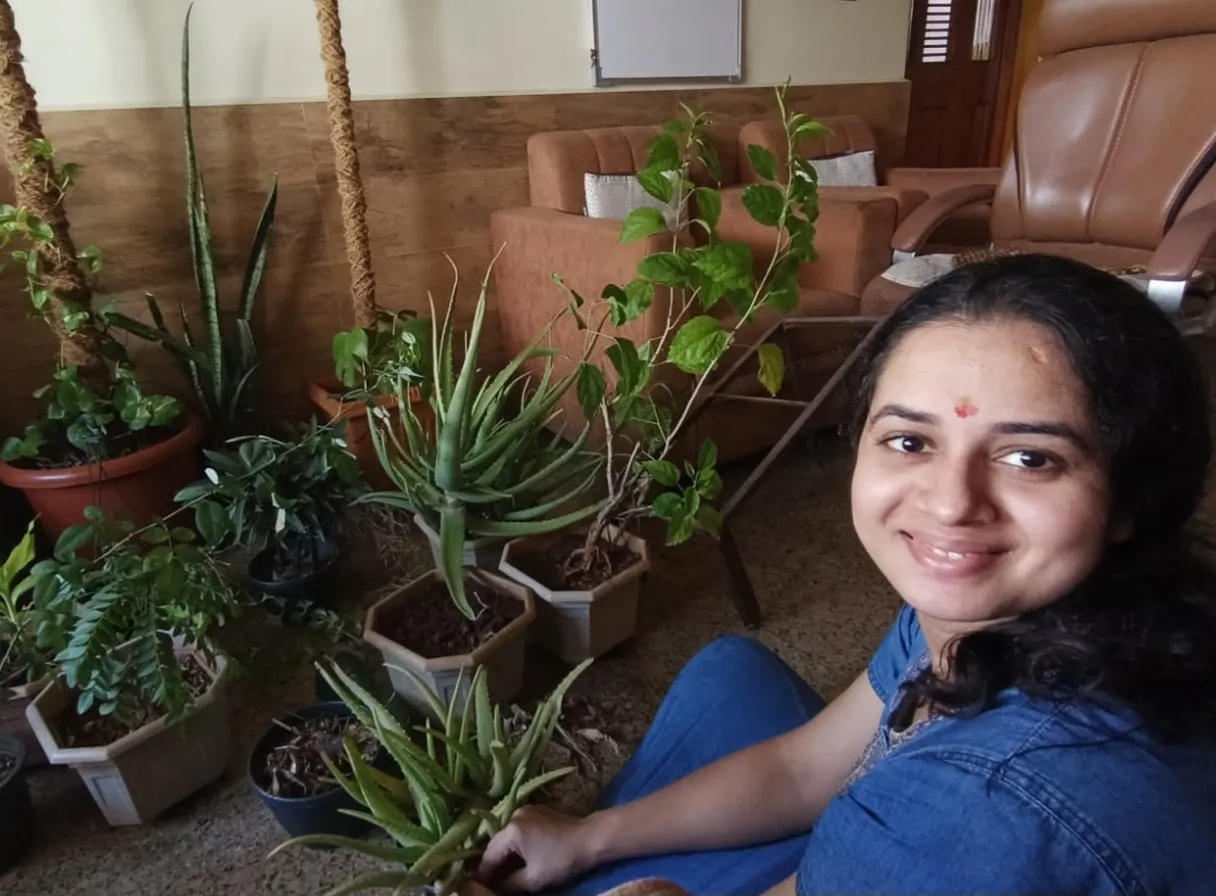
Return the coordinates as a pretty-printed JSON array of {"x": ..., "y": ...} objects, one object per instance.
[
  {"x": 849, "y": 134},
  {"x": 558, "y": 160},
  {"x": 1116, "y": 129}
]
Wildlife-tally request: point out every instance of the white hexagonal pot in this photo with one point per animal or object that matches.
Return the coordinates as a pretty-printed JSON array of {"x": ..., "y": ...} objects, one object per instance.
[
  {"x": 482, "y": 553},
  {"x": 502, "y": 655},
  {"x": 576, "y": 625},
  {"x": 140, "y": 775}
]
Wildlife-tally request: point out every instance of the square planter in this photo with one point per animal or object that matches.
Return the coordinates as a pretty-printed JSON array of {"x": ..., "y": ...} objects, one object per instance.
[
  {"x": 142, "y": 774},
  {"x": 326, "y": 397},
  {"x": 13, "y": 722},
  {"x": 577, "y": 625},
  {"x": 502, "y": 655},
  {"x": 482, "y": 553}
]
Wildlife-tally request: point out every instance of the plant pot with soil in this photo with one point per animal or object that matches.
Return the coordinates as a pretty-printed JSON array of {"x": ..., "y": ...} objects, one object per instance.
[
  {"x": 24, "y": 664},
  {"x": 139, "y": 708},
  {"x": 281, "y": 499},
  {"x": 423, "y": 636},
  {"x": 16, "y": 811},
  {"x": 580, "y": 613},
  {"x": 288, "y": 769}
]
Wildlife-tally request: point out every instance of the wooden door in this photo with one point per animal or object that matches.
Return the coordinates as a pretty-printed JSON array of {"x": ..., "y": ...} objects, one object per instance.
[{"x": 955, "y": 53}]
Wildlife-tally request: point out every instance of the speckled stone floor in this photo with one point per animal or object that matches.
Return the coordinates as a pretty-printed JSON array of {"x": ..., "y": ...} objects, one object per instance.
[{"x": 825, "y": 610}]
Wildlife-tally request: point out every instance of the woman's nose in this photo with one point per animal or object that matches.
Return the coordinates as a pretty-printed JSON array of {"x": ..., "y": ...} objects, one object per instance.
[{"x": 956, "y": 492}]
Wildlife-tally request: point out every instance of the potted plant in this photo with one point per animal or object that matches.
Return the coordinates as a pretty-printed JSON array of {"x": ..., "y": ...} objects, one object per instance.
[
  {"x": 23, "y": 665},
  {"x": 281, "y": 499},
  {"x": 219, "y": 358},
  {"x": 139, "y": 708},
  {"x": 491, "y": 471},
  {"x": 453, "y": 795},
  {"x": 16, "y": 810},
  {"x": 588, "y": 582},
  {"x": 288, "y": 769},
  {"x": 100, "y": 440}
]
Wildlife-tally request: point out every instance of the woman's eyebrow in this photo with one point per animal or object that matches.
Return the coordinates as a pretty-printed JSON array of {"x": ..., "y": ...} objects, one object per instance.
[
  {"x": 904, "y": 413},
  {"x": 1041, "y": 428}
]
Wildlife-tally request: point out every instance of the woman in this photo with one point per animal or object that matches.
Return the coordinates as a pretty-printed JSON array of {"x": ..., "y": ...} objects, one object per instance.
[{"x": 1032, "y": 440}]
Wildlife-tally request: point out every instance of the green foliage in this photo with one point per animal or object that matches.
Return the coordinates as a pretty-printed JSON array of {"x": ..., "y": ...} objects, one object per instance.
[
  {"x": 491, "y": 469},
  {"x": 453, "y": 795},
  {"x": 371, "y": 363},
  {"x": 645, "y": 419},
  {"x": 21, "y": 661},
  {"x": 219, "y": 361},
  {"x": 82, "y": 426},
  {"x": 267, "y": 492},
  {"x": 111, "y": 621}
]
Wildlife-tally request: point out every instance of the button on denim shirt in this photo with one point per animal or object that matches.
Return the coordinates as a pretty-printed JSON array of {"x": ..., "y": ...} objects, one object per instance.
[{"x": 1027, "y": 797}]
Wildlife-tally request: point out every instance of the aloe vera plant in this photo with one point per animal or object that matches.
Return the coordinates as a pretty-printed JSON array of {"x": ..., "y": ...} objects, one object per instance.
[
  {"x": 492, "y": 468},
  {"x": 453, "y": 795},
  {"x": 220, "y": 369}
]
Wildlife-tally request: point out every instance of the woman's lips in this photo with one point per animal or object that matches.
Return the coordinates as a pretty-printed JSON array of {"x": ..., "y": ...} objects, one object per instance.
[{"x": 952, "y": 558}]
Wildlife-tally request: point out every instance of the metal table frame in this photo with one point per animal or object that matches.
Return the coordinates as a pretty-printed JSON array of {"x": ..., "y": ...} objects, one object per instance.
[{"x": 742, "y": 593}]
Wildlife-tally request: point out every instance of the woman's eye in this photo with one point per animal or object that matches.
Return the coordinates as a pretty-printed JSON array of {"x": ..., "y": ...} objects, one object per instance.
[
  {"x": 1028, "y": 460},
  {"x": 906, "y": 444}
]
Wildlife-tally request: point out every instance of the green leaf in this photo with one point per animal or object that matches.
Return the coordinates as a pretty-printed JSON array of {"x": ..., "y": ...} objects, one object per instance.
[
  {"x": 729, "y": 265},
  {"x": 763, "y": 161},
  {"x": 772, "y": 367},
  {"x": 657, "y": 184},
  {"x": 709, "y": 205},
  {"x": 590, "y": 387},
  {"x": 710, "y": 519},
  {"x": 629, "y": 303},
  {"x": 698, "y": 345},
  {"x": 630, "y": 368},
  {"x": 212, "y": 522},
  {"x": 641, "y": 223},
  {"x": 666, "y": 269},
  {"x": 667, "y": 505},
  {"x": 784, "y": 293},
  {"x": 709, "y": 484},
  {"x": 707, "y": 456},
  {"x": 663, "y": 153},
  {"x": 680, "y": 528},
  {"x": 808, "y": 129},
  {"x": 764, "y": 203},
  {"x": 663, "y": 472}
]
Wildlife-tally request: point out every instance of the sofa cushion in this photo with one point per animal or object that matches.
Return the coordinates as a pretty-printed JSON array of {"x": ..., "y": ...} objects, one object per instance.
[
  {"x": 616, "y": 195},
  {"x": 854, "y": 169}
]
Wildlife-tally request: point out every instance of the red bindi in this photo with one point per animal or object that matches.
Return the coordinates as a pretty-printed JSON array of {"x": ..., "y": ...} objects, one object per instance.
[{"x": 963, "y": 408}]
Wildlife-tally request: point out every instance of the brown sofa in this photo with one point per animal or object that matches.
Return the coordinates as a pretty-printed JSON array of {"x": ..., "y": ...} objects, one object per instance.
[
  {"x": 1112, "y": 162},
  {"x": 554, "y": 236}
]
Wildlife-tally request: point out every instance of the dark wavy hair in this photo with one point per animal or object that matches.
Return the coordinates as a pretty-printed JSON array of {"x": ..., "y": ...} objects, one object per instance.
[{"x": 1140, "y": 631}]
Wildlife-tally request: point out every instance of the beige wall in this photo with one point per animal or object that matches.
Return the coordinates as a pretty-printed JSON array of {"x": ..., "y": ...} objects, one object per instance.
[{"x": 124, "y": 53}]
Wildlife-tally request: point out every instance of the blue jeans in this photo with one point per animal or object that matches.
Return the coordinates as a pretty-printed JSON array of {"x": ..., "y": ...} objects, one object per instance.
[{"x": 732, "y": 695}]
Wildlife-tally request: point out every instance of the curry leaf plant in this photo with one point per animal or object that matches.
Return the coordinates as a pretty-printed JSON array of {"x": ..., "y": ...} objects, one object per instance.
[
  {"x": 452, "y": 795},
  {"x": 492, "y": 468},
  {"x": 643, "y": 416}
]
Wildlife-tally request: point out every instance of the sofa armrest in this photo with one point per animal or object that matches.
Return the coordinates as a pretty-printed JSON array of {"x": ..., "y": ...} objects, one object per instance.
[
  {"x": 906, "y": 200},
  {"x": 919, "y": 226},
  {"x": 852, "y": 238},
  {"x": 940, "y": 180},
  {"x": 1179, "y": 256}
]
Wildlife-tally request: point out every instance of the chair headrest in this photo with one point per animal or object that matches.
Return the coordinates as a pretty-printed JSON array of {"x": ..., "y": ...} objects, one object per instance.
[{"x": 1068, "y": 25}]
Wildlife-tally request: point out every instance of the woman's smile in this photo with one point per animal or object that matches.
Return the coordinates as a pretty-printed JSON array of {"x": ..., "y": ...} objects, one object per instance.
[{"x": 950, "y": 557}]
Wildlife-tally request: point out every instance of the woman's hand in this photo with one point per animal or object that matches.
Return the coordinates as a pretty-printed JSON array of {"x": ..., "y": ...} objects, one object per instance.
[{"x": 540, "y": 847}]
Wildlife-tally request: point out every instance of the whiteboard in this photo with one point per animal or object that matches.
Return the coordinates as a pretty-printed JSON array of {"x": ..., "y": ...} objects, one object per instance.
[{"x": 666, "y": 40}]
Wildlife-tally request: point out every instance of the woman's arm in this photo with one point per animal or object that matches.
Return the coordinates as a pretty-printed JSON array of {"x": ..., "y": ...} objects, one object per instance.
[
  {"x": 773, "y": 790},
  {"x": 770, "y": 791}
]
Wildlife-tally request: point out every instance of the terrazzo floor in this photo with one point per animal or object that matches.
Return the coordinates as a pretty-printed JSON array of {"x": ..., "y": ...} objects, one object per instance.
[{"x": 824, "y": 608}]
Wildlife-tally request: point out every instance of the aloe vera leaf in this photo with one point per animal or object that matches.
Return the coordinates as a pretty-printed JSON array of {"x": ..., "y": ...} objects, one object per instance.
[
  {"x": 447, "y": 457},
  {"x": 543, "y": 474},
  {"x": 463, "y": 826},
  {"x": 451, "y": 550},
  {"x": 466, "y": 753},
  {"x": 480, "y": 526},
  {"x": 502, "y": 770},
  {"x": 545, "y": 508},
  {"x": 375, "y": 850},
  {"x": 409, "y": 755},
  {"x": 400, "y": 881},
  {"x": 428, "y": 867},
  {"x": 408, "y": 836},
  {"x": 370, "y": 711},
  {"x": 485, "y": 715},
  {"x": 374, "y": 797},
  {"x": 423, "y": 687}
]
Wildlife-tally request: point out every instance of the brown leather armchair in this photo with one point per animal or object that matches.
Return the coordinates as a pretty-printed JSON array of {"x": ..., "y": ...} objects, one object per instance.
[
  {"x": 554, "y": 236},
  {"x": 909, "y": 187},
  {"x": 1112, "y": 162}
]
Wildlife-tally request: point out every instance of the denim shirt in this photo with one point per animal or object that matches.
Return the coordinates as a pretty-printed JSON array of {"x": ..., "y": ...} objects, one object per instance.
[{"x": 1027, "y": 797}]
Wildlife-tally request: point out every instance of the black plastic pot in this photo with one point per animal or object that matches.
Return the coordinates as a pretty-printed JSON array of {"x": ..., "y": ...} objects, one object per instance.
[
  {"x": 311, "y": 814},
  {"x": 16, "y": 810},
  {"x": 317, "y": 586}
]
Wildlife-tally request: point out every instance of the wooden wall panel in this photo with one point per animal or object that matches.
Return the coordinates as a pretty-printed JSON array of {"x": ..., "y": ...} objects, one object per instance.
[{"x": 434, "y": 169}]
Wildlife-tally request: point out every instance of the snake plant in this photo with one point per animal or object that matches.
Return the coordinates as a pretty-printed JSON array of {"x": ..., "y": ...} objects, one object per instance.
[
  {"x": 452, "y": 796},
  {"x": 220, "y": 369},
  {"x": 492, "y": 468}
]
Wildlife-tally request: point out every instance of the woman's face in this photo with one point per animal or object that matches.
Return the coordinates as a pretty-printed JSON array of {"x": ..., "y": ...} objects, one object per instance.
[{"x": 979, "y": 489}]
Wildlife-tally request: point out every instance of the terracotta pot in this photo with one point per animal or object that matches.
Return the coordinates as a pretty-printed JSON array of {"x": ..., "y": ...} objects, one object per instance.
[
  {"x": 140, "y": 486},
  {"x": 13, "y": 722},
  {"x": 140, "y": 775},
  {"x": 326, "y": 396},
  {"x": 502, "y": 655},
  {"x": 482, "y": 553},
  {"x": 577, "y": 625}
]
